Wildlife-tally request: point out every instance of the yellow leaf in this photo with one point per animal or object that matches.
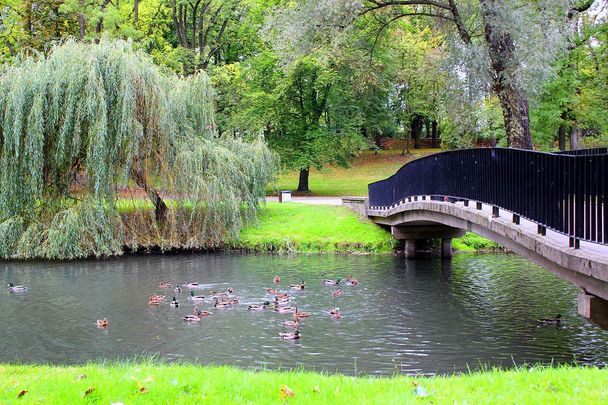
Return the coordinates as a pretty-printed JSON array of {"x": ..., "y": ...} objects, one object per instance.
[
  {"x": 21, "y": 393},
  {"x": 143, "y": 390},
  {"x": 89, "y": 391}
]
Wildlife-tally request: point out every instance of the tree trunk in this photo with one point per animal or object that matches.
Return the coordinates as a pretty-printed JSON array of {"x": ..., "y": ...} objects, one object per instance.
[
  {"x": 136, "y": 13},
  {"x": 574, "y": 137},
  {"x": 561, "y": 135},
  {"x": 81, "y": 20},
  {"x": 434, "y": 134},
  {"x": 513, "y": 100},
  {"x": 303, "y": 182},
  {"x": 416, "y": 129},
  {"x": 139, "y": 176}
]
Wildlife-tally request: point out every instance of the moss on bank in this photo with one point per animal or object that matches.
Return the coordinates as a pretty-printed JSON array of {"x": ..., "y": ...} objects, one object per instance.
[
  {"x": 307, "y": 228},
  {"x": 161, "y": 383}
]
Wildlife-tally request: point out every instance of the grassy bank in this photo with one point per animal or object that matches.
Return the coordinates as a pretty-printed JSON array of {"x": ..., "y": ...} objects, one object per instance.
[
  {"x": 472, "y": 242},
  {"x": 337, "y": 181},
  {"x": 314, "y": 228},
  {"x": 150, "y": 383}
]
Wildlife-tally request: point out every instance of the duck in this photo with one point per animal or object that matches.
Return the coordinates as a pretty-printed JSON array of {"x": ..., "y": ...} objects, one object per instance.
[
  {"x": 278, "y": 300},
  {"x": 276, "y": 280},
  {"x": 350, "y": 280},
  {"x": 103, "y": 323},
  {"x": 195, "y": 298},
  {"x": 158, "y": 297},
  {"x": 337, "y": 293},
  {"x": 301, "y": 314},
  {"x": 152, "y": 301},
  {"x": 331, "y": 282},
  {"x": 193, "y": 285},
  {"x": 335, "y": 313},
  {"x": 282, "y": 310},
  {"x": 196, "y": 317},
  {"x": 258, "y": 307},
  {"x": 221, "y": 304},
  {"x": 17, "y": 289},
  {"x": 178, "y": 289},
  {"x": 297, "y": 286},
  {"x": 229, "y": 290},
  {"x": 292, "y": 324},
  {"x": 290, "y": 335},
  {"x": 164, "y": 286},
  {"x": 295, "y": 323},
  {"x": 272, "y": 291},
  {"x": 551, "y": 321},
  {"x": 174, "y": 303}
]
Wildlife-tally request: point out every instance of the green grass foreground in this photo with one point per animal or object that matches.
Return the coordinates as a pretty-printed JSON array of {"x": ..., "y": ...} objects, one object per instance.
[
  {"x": 297, "y": 227},
  {"x": 184, "y": 384}
]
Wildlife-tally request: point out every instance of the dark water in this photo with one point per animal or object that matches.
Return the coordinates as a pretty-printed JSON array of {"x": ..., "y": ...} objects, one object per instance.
[{"x": 425, "y": 316}]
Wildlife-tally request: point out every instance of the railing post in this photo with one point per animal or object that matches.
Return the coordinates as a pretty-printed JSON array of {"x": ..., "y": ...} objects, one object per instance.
[
  {"x": 495, "y": 212},
  {"x": 574, "y": 242},
  {"x": 541, "y": 230},
  {"x": 466, "y": 203},
  {"x": 516, "y": 219},
  {"x": 479, "y": 205}
]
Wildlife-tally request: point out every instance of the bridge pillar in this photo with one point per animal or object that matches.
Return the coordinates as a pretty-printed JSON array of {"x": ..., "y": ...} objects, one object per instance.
[
  {"x": 446, "y": 247},
  {"x": 593, "y": 308},
  {"x": 410, "y": 248}
]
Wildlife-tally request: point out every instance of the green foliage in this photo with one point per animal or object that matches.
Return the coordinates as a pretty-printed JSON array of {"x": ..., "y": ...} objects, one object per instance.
[
  {"x": 87, "y": 118},
  {"x": 471, "y": 242}
]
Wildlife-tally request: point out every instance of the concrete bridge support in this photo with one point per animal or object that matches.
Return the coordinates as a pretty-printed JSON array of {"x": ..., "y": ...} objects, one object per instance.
[
  {"x": 593, "y": 308},
  {"x": 425, "y": 231}
]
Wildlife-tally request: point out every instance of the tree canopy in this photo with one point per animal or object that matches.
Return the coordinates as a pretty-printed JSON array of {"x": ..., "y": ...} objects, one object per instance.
[{"x": 86, "y": 119}]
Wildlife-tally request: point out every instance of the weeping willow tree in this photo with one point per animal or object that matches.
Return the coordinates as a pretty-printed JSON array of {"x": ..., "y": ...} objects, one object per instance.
[{"x": 101, "y": 149}]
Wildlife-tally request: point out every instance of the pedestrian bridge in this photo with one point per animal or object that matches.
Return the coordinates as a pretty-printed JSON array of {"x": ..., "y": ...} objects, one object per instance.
[{"x": 547, "y": 207}]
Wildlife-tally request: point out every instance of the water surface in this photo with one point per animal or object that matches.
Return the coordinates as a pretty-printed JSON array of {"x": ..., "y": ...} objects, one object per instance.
[{"x": 420, "y": 316}]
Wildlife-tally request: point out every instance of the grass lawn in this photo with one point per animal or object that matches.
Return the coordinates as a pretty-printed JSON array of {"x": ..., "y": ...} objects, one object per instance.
[
  {"x": 337, "y": 181},
  {"x": 186, "y": 384},
  {"x": 314, "y": 228}
]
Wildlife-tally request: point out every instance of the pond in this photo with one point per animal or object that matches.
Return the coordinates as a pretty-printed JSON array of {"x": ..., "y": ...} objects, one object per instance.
[{"x": 422, "y": 316}]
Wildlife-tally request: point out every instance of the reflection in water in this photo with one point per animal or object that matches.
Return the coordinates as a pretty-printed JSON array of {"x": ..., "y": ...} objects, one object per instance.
[{"x": 419, "y": 316}]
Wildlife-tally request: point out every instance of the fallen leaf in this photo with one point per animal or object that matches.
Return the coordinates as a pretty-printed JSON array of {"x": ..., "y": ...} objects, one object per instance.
[
  {"x": 143, "y": 390},
  {"x": 285, "y": 392},
  {"x": 21, "y": 393},
  {"x": 89, "y": 391}
]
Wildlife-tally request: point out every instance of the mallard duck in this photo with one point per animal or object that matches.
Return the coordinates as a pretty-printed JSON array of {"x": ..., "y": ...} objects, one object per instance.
[
  {"x": 17, "y": 289},
  {"x": 297, "y": 286},
  {"x": 290, "y": 335},
  {"x": 195, "y": 298},
  {"x": 282, "y": 310},
  {"x": 174, "y": 303},
  {"x": 158, "y": 297},
  {"x": 551, "y": 321},
  {"x": 335, "y": 313},
  {"x": 258, "y": 307},
  {"x": 278, "y": 300},
  {"x": 221, "y": 304},
  {"x": 152, "y": 301},
  {"x": 272, "y": 291},
  {"x": 331, "y": 282},
  {"x": 292, "y": 324},
  {"x": 196, "y": 317},
  {"x": 164, "y": 286},
  {"x": 350, "y": 280},
  {"x": 103, "y": 323},
  {"x": 192, "y": 286},
  {"x": 301, "y": 314},
  {"x": 337, "y": 293},
  {"x": 276, "y": 280}
]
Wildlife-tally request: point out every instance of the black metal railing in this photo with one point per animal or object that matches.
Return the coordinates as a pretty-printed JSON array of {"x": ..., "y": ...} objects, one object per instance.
[{"x": 565, "y": 192}]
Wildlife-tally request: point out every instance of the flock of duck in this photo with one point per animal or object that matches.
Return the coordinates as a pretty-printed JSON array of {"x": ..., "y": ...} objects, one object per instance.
[{"x": 279, "y": 301}]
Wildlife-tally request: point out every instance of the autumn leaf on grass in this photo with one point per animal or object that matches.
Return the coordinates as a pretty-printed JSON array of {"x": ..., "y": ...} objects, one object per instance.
[
  {"x": 285, "y": 392},
  {"x": 89, "y": 391},
  {"x": 143, "y": 390},
  {"x": 21, "y": 393}
]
